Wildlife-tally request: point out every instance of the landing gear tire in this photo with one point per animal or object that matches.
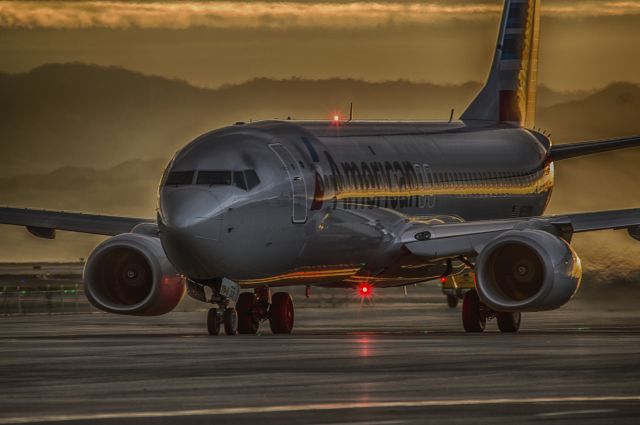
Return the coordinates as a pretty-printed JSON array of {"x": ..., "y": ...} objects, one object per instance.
[
  {"x": 247, "y": 322},
  {"x": 281, "y": 313},
  {"x": 230, "y": 319},
  {"x": 452, "y": 301},
  {"x": 213, "y": 322},
  {"x": 474, "y": 318},
  {"x": 509, "y": 322}
]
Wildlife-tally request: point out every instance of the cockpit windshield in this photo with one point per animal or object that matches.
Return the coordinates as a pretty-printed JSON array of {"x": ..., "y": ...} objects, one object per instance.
[
  {"x": 214, "y": 178},
  {"x": 179, "y": 178},
  {"x": 245, "y": 180}
]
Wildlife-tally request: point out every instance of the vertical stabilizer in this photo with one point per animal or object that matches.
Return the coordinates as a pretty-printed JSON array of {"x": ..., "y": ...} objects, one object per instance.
[{"x": 510, "y": 92}]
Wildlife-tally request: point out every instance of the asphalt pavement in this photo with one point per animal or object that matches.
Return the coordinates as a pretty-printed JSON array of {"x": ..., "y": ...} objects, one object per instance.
[{"x": 354, "y": 364}]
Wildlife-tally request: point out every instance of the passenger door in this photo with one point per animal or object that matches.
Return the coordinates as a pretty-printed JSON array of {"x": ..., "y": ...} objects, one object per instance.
[{"x": 296, "y": 178}]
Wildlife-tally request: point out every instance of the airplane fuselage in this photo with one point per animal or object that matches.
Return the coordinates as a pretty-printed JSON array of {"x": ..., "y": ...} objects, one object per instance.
[{"x": 332, "y": 196}]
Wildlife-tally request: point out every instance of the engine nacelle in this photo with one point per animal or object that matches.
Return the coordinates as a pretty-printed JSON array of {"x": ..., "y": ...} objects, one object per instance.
[
  {"x": 527, "y": 270},
  {"x": 130, "y": 274}
]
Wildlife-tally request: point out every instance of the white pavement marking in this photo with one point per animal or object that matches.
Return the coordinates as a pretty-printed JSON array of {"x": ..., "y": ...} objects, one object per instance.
[
  {"x": 310, "y": 407},
  {"x": 574, "y": 412},
  {"x": 365, "y": 423}
]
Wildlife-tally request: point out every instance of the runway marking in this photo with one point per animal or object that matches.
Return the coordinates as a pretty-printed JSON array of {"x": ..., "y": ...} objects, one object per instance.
[
  {"x": 218, "y": 411},
  {"x": 574, "y": 412},
  {"x": 365, "y": 423}
]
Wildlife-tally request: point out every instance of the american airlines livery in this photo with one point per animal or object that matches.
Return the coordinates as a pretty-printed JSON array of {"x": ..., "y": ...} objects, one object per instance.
[{"x": 355, "y": 204}]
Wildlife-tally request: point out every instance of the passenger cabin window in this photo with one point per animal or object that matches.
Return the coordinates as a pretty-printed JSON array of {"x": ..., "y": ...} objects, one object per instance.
[{"x": 179, "y": 178}]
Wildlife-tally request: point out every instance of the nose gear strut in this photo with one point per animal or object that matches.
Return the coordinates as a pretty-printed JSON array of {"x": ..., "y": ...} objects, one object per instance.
[{"x": 222, "y": 293}]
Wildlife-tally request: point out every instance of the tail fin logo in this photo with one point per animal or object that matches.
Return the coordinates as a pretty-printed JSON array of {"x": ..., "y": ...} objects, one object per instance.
[{"x": 510, "y": 92}]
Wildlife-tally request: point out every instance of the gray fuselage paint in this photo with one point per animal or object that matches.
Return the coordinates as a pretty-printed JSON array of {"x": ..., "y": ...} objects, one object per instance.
[{"x": 363, "y": 183}]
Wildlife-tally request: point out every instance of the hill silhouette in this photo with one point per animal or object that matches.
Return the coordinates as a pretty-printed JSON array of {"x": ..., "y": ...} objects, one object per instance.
[
  {"x": 88, "y": 138},
  {"x": 610, "y": 112},
  {"x": 86, "y": 115}
]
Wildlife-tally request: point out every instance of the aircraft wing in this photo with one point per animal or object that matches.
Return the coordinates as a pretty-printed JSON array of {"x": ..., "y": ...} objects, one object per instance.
[
  {"x": 468, "y": 238},
  {"x": 44, "y": 223}
]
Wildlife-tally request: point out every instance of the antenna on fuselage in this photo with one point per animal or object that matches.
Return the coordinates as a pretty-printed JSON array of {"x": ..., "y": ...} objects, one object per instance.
[
  {"x": 350, "y": 111},
  {"x": 453, "y": 110}
]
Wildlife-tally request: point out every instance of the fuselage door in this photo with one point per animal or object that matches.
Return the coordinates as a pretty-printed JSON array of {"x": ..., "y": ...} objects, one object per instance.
[{"x": 296, "y": 178}]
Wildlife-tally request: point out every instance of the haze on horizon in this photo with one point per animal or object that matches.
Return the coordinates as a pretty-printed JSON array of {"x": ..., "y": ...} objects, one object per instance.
[
  {"x": 585, "y": 45},
  {"x": 64, "y": 125}
]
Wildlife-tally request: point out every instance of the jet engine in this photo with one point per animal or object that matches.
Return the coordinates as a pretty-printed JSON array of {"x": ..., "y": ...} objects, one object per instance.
[
  {"x": 130, "y": 274},
  {"x": 527, "y": 270}
]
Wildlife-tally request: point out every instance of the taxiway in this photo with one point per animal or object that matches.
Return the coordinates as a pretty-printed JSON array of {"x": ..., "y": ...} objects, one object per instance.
[{"x": 385, "y": 364}]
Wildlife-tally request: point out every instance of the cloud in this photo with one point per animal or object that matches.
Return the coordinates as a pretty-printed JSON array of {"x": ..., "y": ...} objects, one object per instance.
[
  {"x": 226, "y": 14},
  {"x": 269, "y": 14}
]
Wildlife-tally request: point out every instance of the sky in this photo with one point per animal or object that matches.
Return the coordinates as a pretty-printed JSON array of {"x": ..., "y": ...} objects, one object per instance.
[{"x": 586, "y": 44}]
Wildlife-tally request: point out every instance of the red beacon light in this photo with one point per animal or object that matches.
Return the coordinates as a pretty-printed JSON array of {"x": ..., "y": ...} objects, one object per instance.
[
  {"x": 335, "y": 119},
  {"x": 365, "y": 290}
]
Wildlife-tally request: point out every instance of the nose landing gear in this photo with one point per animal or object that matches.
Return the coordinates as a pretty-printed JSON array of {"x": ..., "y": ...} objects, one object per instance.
[
  {"x": 228, "y": 318},
  {"x": 220, "y": 292}
]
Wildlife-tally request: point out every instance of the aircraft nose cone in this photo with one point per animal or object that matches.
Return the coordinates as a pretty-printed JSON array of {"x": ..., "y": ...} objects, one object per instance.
[
  {"x": 190, "y": 221},
  {"x": 184, "y": 208}
]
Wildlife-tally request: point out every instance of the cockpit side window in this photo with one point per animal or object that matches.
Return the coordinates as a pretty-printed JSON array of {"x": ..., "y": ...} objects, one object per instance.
[
  {"x": 179, "y": 178},
  {"x": 252, "y": 179},
  {"x": 219, "y": 178},
  {"x": 238, "y": 180}
]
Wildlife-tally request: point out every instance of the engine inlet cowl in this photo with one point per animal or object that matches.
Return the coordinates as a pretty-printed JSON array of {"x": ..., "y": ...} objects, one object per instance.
[
  {"x": 527, "y": 270},
  {"x": 130, "y": 274}
]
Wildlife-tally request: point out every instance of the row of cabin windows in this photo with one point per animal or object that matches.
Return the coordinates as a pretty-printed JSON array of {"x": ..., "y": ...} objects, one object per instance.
[
  {"x": 482, "y": 178},
  {"x": 445, "y": 179},
  {"x": 245, "y": 180}
]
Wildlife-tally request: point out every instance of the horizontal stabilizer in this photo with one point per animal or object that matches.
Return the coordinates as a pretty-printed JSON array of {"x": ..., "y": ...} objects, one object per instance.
[{"x": 572, "y": 150}]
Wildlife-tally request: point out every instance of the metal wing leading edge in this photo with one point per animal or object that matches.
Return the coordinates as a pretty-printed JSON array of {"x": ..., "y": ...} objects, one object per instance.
[
  {"x": 44, "y": 223},
  {"x": 468, "y": 238}
]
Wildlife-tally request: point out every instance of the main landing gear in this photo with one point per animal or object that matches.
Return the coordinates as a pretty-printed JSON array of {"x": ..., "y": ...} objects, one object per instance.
[
  {"x": 259, "y": 306},
  {"x": 452, "y": 301},
  {"x": 475, "y": 315}
]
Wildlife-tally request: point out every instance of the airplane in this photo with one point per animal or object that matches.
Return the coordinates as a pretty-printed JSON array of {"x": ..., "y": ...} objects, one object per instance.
[{"x": 346, "y": 203}]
